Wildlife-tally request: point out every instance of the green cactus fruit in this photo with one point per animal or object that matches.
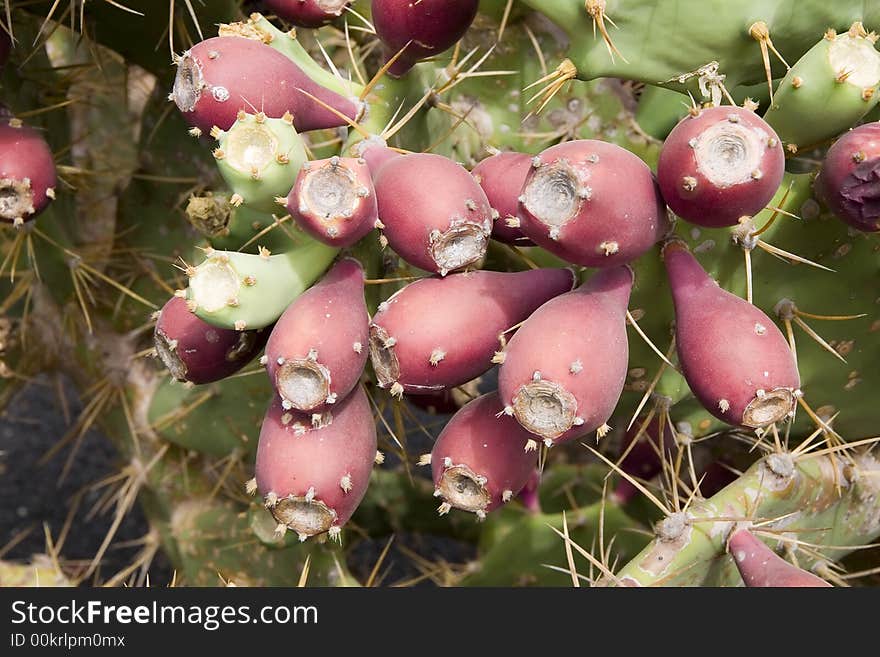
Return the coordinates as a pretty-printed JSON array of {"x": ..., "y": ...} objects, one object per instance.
[
  {"x": 828, "y": 90},
  {"x": 259, "y": 158}
]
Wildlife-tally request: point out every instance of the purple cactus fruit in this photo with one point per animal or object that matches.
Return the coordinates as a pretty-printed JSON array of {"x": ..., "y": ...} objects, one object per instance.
[
  {"x": 734, "y": 358},
  {"x": 439, "y": 333},
  {"x": 479, "y": 460},
  {"x": 501, "y": 177},
  {"x": 762, "y": 567},
  {"x": 435, "y": 215},
  {"x": 849, "y": 182},
  {"x": 424, "y": 28},
  {"x": 197, "y": 352},
  {"x": 312, "y": 479},
  {"x": 307, "y": 13},
  {"x": 720, "y": 164},
  {"x": 27, "y": 172},
  {"x": 592, "y": 203},
  {"x": 220, "y": 76},
  {"x": 564, "y": 369},
  {"x": 375, "y": 152},
  {"x": 318, "y": 348},
  {"x": 333, "y": 200}
]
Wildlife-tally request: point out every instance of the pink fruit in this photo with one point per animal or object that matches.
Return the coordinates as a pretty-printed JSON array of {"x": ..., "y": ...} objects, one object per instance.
[
  {"x": 375, "y": 152},
  {"x": 307, "y": 13},
  {"x": 334, "y": 201},
  {"x": 501, "y": 177},
  {"x": 564, "y": 370},
  {"x": 435, "y": 215},
  {"x": 318, "y": 348},
  {"x": 439, "y": 333},
  {"x": 592, "y": 203},
  {"x": 197, "y": 352},
  {"x": 220, "y": 76},
  {"x": 479, "y": 461},
  {"x": 424, "y": 28},
  {"x": 27, "y": 172},
  {"x": 734, "y": 358},
  {"x": 312, "y": 479},
  {"x": 762, "y": 567},
  {"x": 719, "y": 165},
  {"x": 849, "y": 182}
]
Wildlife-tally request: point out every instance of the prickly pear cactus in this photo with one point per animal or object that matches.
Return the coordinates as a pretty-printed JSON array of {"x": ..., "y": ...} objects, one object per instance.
[{"x": 615, "y": 331}]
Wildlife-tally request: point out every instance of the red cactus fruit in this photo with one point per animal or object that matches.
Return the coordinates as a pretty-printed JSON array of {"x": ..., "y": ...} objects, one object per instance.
[
  {"x": 720, "y": 164},
  {"x": 307, "y": 13},
  {"x": 479, "y": 461},
  {"x": 334, "y": 201},
  {"x": 197, "y": 352},
  {"x": 424, "y": 28},
  {"x": 435, "y": 215},
  {"x": 438, "y": 333},
  {"x": 220, "y": 76},
  {"x": 501, "y": 177},
  {"x": 564, "y": 369},
  {"x": 849, "y": 182},
  {"x": 312, "y": 479},
  {"x": 318, "y": 348},
  {"x": 592, "y": 203},
  {"x": 734, "y": 358},
  {"x": 440, "y": 402},
  {"x": 375, "y": 152},
  {"x": 27, "y": 172},
  {"x": 643, "y": 460},
  {"x": 762, "y": 567}
]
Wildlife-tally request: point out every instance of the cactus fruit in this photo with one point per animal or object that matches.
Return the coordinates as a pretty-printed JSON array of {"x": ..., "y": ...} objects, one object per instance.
[
  {"x": 501, "y": 177},
  {"x": 734, "y": 358},
  {"x": 197, "y": 352},
  {"x": 837, "y": 79},
  {"x": 27, "y": 172},
  {"x": 307, "y": 13},
  {"x": 318, "y": 347},
  {"x": 246, "y": 291},
  {"x": 720, "y": 164},
  {"x": 313, "y": 478},
  {"x": 479, "y": 460},
  {"x": 259, "y": 157},
  {"x": 762, "y": 567},
  {"x": 563, "y": 371},
  {"x": 434, "y": 214},
  {"x": 220, "y": 76},
  {"x": 420, "y": 29},
  {"x": 849, "y": 181},
  {"x": 592, "y": 203},
  {"x": 438, "y": 333},
  {"x": 333, "y": 200}
]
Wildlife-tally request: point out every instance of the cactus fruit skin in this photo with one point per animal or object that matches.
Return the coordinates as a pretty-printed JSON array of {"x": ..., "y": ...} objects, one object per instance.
[
  {"x": 501, "y": 177},
  {"x": 197, "y": 352},
  {"x": 222, "y": 75},
  {"x": 719, "y": 165},
  {"x": 564, "y": 369},
  {"x": 735, "y": 359},
  {"x": 421, "y": 29},
  {"x": 762, "y": 567},
  {"x": 244, "y": 291},
  {"x": 27, "y": 172},
  {"x": 307, "y": 13},
  {"x": 312, "y": 479},
  {"x": 838, "y": 80},
  {"x": 849, "y": 181},
  {"x": 438, "y": 333},
  {"x": 435, "y": 215},
  {"x": 318, "y": 348},
  {"x": 334, "y": 201},
  {"x": 259, "y": 158},
  {"x": 479, "y": 460},
  {"x": 592, "y": 203}
]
